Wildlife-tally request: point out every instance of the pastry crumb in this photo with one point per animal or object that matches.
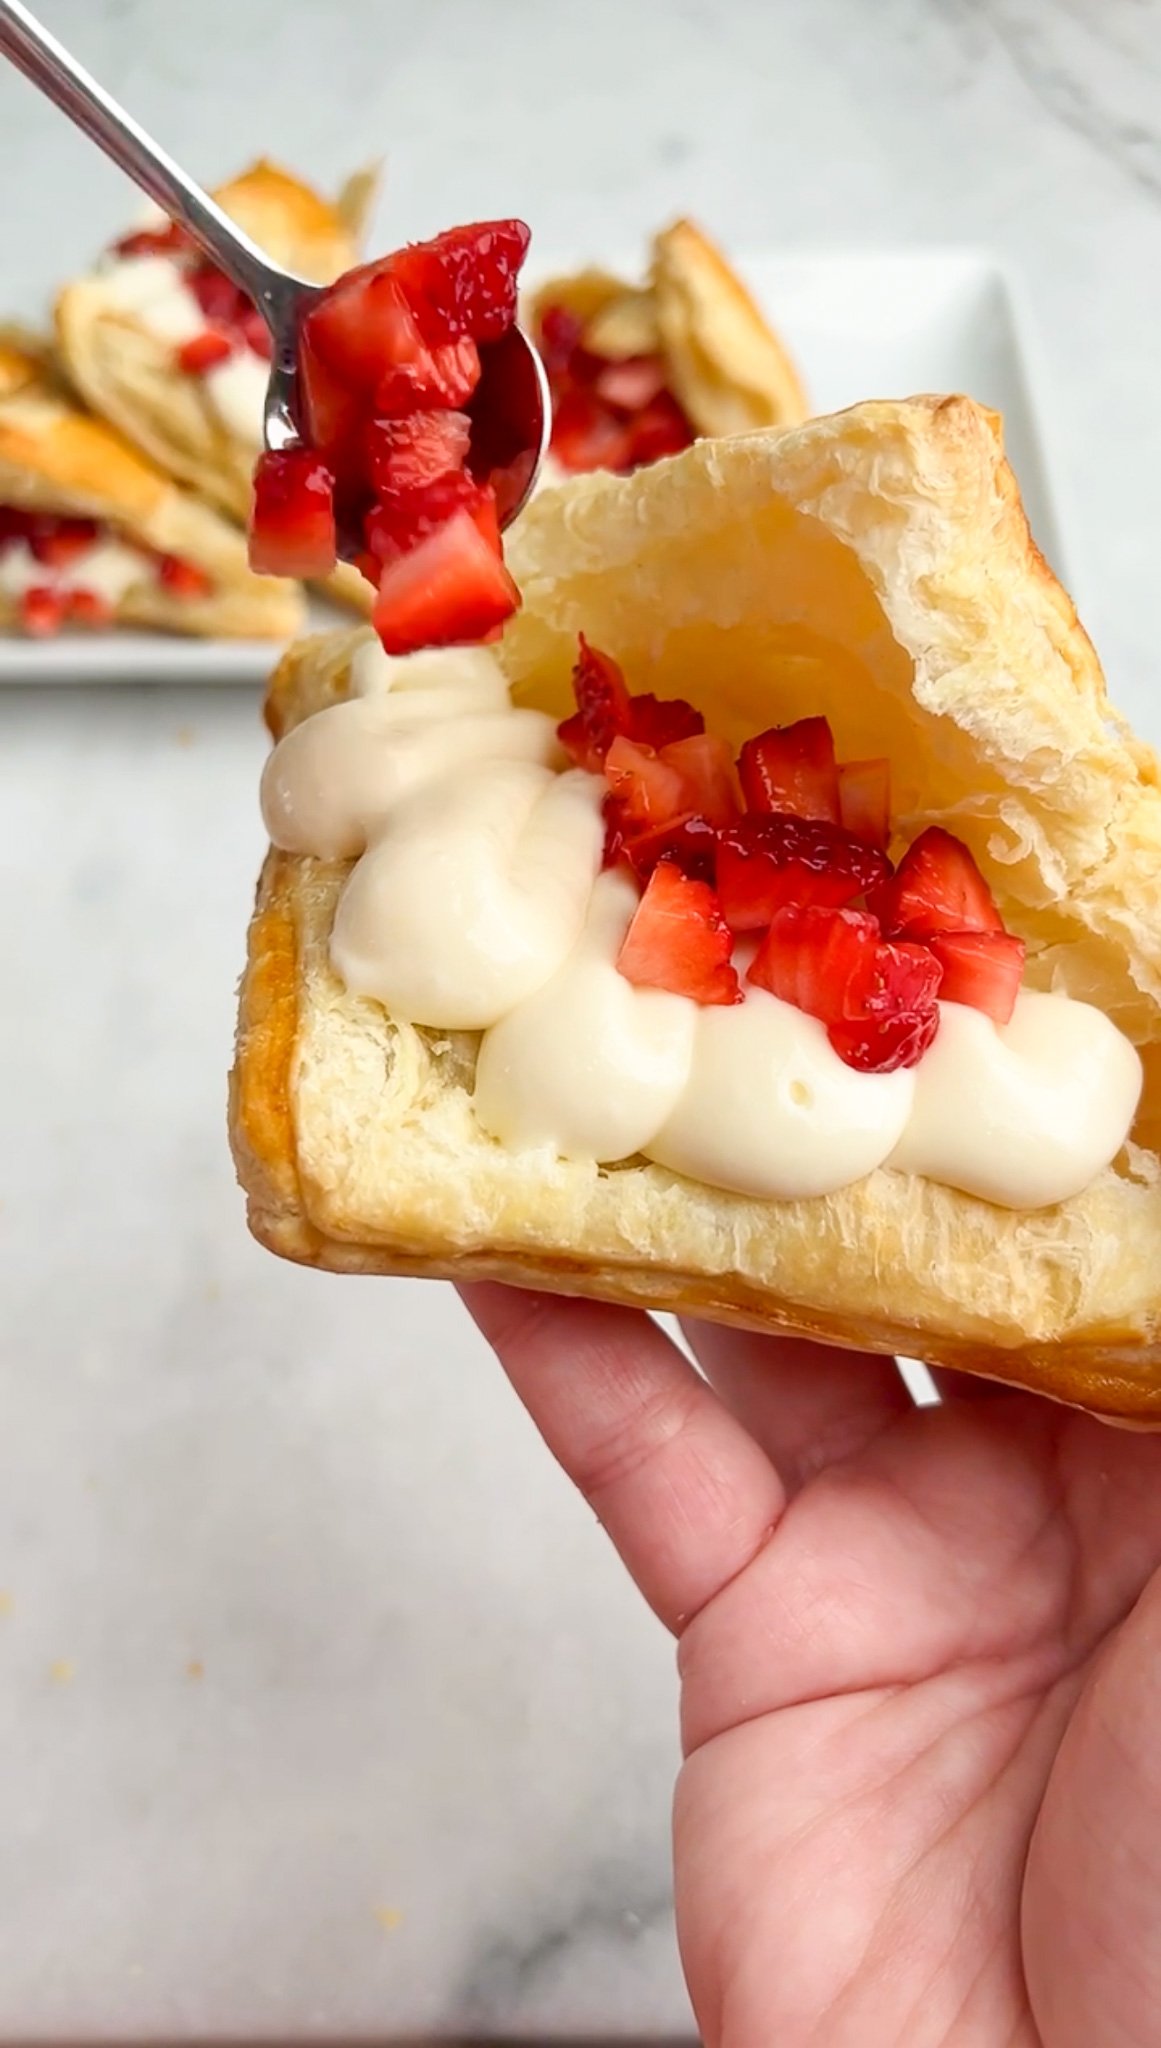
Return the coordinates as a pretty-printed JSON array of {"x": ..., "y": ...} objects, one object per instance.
[
  {"x": 389, "y": 1918},
  {"x": 62, "y": 1671},
  {"x": 195, "y": 1668},
  {"x": 5, "y": 1602},
  {"x": 185, "y": 735}
]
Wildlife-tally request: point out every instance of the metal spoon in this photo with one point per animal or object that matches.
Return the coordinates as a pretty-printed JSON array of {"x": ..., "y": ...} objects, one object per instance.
[{"x": 511, "y": 409}]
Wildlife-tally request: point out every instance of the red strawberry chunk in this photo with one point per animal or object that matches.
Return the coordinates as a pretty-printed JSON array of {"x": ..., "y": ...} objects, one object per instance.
[
  {"x": 400, "y": 521},
  {"x": 464, "y": 281},
  {"x": 768, "y": 861},
  {"x": 182, "y": 579},
  {"x": 604, "y": 708},
  {"x": 897, "y": 1012},
  {"x": 937, "y": 888},
  {"x": 331, "y": 408},
  {"x": 588, "y": 434},
  {"x": 407, "y": 454},
  {"x": 364, "y": 326},
  {"x": 88, "y": 608},
  {"x": 647, "y": 789},
  {"x": 220, "y": 299},
  {"x": 660, "y": 721},
  {"x": 561, "y": 334},
  {"x": 865, "y": 800},
  {"x": 792, "y": 768},
  {"x": 204, "y": 352},
  {"x": 451, "y": 587},
  {"x": 661, "y": 429},
  {"x": 166, "y": 241},
  {"x": 255, "y": 333},
  {"x": 292, "y": 523},
  {"x": 817, "y": 959},
  {"x": 42, "y": 611},
  {"x": 631, "y": 383},
  {"x": 57, "y": 541},
  {"x": 690, "y": 842},
  {"x": 444, "y": 376},
  {"x": 981, "y": 969},
  {"x": 679, "y": 940},
  {"x": 706, "y": 769}
]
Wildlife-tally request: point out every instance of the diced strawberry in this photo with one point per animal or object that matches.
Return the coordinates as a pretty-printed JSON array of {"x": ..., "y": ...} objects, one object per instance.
[
  {"x": 57, "y": 541},
  {"x": 486, "y": 513},
  {"x": 604, "y": 708},
  {"x": 407, "y": 454},
  {"x": 937, "y": 888},
  {"x": 706, "y": 768},
  {"x": 292, "y": 522},
  {"x": 660, "y": 721},
  {"x": 330, "y": 406},
  {"x": 42, "y": 611},
  {"x": 219, "y": 298},
  {"x": 255, "y": 333},
  {"x": 631, "y": 383},
  {"x": 661, "y": 429},
  {"x": 865, "y": 800},
  {"x": 981, "y": 969},
  {"x": 899, "y": 1013},
  {"x": 464, "y": 281},
  {"x": 364, "y": 327},
  {"x": 451, "y": 587},
  {"x": 587, "y": 434},
  {"x": 817, "y": 959},
  {"x": 690, "y": 842},
  {"x": 204, "y": 352},
  {"x": 679, "y": 940},
  {"x": 400, "y": 521},
  {"x": 561, "y": 334},
  {"x": 88, "y": 608},
  {"x": 446, "y": 375},
  {"x": 165, "y": 241},
  {"x": 792, "y": 768},
  {"x": 648, "y": 791},
  {"x": 182, "y": 579},
  {"x": 768, "y": 860}
]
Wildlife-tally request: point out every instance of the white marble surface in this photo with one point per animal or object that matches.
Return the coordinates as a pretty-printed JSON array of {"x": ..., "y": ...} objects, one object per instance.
[{"x": 323, "y": 1709}]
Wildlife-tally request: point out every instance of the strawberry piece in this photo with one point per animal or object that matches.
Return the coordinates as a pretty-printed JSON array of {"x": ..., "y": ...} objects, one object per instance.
[
  {"x": 632, "y": 383},
  {"x": 330, "y": 408},
  {"x": 88, "y": 608},
  {"x": 219, "y": 298},
  {"x": 981, "y": 969},
  {"x": 769, "y": 860},
  {"x": 604, "y": 708},
  {"x": 647, "y": 790},
  {"x": 255, "y": 333},
  {"x": 364, "y": 327},
  {"x": 167, "y": 241},
  {"x": 404, "y": 455},
  {"x": 865, "y": 800},
  {"x": 792, "y": 768},
  {"x": 447, "y": 375},
  {"x": 679, "y": 940},
  {"x": 451, "y": 587},
  {"x": 399, "y": 522},
  {"x": 182, "y": 579},
  {"x": 897, "y": 1012},
  {"x": 561, "y": 335},
  {"x": 937, "y": 888},
  {"x": 817, "y": 959},
  {"x": 292, "y": 521},
  {"x": 690, "y": 842},
  {"x": 42, "y": 611},
  {"x": 56, "y": 542},
  {"x": 704, "y": 763},
  {"x": 661, "y": 721},
  {"x": 464, "y": 281},
  {"x": 204, "y": 352},
  {"x": 661, "y": 429},
  {"x": 587, "y": 434}
]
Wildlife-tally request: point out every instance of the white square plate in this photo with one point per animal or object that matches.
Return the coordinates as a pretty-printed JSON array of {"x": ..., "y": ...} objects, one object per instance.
[{"x": 870, "y": 325}]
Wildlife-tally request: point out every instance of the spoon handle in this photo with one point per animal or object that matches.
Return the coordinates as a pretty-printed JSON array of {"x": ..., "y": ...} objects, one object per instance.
[{"x": 28, "y": 45}]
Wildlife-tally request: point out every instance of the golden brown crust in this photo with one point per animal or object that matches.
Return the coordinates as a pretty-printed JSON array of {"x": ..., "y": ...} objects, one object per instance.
[
  {"x": 130, "y": 377},
  {"x": 877, "y": 567},
  {"x": 55, "y": 458},
  {"x": 724, "y": 361}
]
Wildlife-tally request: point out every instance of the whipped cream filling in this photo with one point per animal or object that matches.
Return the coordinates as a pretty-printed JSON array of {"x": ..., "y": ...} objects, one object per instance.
[
  {"x": 154, "y": 291},
  {"x": 108, "y": 569},
  {"x": 477, "y": 902}
]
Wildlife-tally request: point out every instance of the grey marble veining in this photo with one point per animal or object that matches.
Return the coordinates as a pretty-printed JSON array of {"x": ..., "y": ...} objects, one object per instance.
[{"x": 324, "y": 1709}]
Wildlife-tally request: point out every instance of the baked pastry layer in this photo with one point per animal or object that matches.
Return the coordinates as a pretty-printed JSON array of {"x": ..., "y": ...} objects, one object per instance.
[
  {"x": 876, "y": 567},
  {"x": 54, "y": 458}
]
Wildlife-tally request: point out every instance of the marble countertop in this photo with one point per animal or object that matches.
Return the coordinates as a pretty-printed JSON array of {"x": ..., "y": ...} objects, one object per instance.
[{"x": 324, "y": 1710}]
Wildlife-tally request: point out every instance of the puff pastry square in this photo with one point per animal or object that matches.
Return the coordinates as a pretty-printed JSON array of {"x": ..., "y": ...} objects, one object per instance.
[
  {"x": 876, "y": 567},
  {"x": 129, "y": 373},
  {"x": 56, "y": 459}
]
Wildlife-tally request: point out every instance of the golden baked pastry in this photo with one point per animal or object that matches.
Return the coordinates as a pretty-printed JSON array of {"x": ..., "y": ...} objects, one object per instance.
[
  {"x": 877, "y": 567},
  {"x": 120, "y": 345},
  {"x": 721, "y": 362},
  {"x": 159, "y": 557}
]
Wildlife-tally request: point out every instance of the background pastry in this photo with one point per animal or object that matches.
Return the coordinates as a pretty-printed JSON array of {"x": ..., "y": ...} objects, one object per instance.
[
  {"x": 875, "y": 567},
  {"x": 639, "y": 371},
  {"x": 162, "y": 346},
  {"x": 92, "y": 534}
]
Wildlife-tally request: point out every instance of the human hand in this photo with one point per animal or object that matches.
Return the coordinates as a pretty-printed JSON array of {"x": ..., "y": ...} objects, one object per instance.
[{"x": 920, "y": 1661}]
